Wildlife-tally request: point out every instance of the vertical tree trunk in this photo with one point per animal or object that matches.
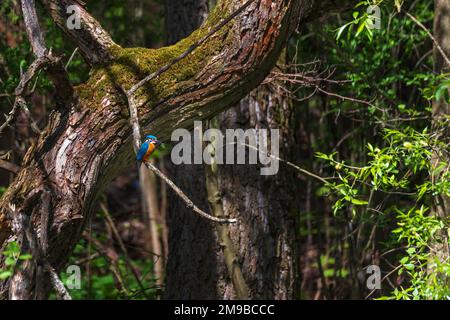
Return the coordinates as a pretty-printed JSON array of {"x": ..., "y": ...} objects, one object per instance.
[
  {"x": 264, "y": 240},
  {"x": 441, "y": 108},
  {"x": 192, "y": 263},
  {"x": 267, "y": 205}
]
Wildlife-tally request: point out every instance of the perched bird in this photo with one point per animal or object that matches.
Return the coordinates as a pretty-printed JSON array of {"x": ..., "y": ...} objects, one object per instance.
[{"x": 149, "y": 146}]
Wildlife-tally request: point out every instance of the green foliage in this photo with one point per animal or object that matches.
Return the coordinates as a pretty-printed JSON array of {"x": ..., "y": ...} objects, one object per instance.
[
  {"x": 11, "y": 255},
  {"x": 398, "y": 155},
  {"x": 99, "y": 280},
  {"x": 362, "y": 21},
  {"x": 418, "y": 229}
]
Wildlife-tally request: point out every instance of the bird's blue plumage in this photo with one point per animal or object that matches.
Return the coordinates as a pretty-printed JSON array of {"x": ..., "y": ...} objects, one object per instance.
[
  {"x": 142, "y": 151},
  {"x": 150, "y": 137}
]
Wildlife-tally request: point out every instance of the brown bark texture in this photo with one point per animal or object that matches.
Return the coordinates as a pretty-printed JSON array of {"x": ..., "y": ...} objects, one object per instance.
[
  {"x": 201, "y": 263},
  {"x": 441, "y": 108}
]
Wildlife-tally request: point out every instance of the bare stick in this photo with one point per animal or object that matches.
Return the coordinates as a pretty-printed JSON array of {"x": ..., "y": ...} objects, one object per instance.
[
  {"x": 32, "y": 26},
  {"x": 25, "y": 79},
  {"x": 71, "y": 58},
  {"x": 56, "y": 71},
  {"x": 58, "y": 285},
  {"x": 134, "y": 121},
  {"x": 438, "y": 47},
  {"x": 44, "y": 60},
  {"x": 10, "y": 118},
  {"x": 306, "y": 172},
  {"x": 186, "y": 199}
]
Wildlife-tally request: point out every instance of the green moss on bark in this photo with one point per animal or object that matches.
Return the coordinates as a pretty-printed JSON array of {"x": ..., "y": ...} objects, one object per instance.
[{"x": 130, "y": 65}]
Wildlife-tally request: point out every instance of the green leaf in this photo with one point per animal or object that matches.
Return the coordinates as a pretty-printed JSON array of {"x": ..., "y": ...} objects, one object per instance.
[
  {"x": 440, "y": 92},
  {"x": 360, "y": 29},
  {"x": 26, "y": 256},
  {"x": 340, "y": 31},
  {"x": 358, "y": 202},
  {"x": 404, "y": 260},
  {"x": 9, "y": 261},
  {"x": 5, "y": 274},
  {"x": 409, "y": 266}
]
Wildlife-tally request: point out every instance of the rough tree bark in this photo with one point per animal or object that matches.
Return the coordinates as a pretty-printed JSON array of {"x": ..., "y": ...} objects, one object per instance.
[
  {"x": 83, "y": 147},
  {"x": 199, "y": 254},
  {"x": 188, "y": 277}
]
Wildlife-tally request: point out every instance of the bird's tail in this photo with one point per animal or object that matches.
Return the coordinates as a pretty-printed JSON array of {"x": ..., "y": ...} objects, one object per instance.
[{"x": 139, "y": 164}]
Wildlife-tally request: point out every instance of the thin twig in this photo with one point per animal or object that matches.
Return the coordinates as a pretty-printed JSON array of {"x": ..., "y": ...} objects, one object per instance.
[
  {"x": 438, "y": 47},
  {"x": 71, "y": 58},
  {"x": 306, "y": 172},
  {"x": 56, "y": 71},
  {"x": 186, "y": 199}
]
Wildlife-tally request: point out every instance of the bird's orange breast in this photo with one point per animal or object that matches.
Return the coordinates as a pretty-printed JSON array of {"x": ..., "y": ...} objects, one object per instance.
[{"x": 150, "y": 150}]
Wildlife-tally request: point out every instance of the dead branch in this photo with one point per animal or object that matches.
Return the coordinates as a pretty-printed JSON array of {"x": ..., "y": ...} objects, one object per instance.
[
  {"x": 186, "y": 199},
  {"x": 11, "y": 167},
  {"x": 93, "y": 41},
  {"x": 438, "y": 47},
  {"x": 53, "y": 66}
]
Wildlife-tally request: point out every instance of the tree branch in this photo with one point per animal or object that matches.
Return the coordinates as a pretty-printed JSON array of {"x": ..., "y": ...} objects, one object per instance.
[
  {"x": 11, "y": 167},
  {"x": 194, "y": 46},
  {"x": 186, "y": 199},
  {"x": 94, "y": 42},
  {"x": 53, "y": 65},
  {"x": 25, "y": 79},
  {"x": 32, "y": 27},
  {"x": 436, "y": 43}
]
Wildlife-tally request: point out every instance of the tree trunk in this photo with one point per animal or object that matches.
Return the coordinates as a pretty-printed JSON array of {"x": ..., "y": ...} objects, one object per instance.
[{"x": 257, "y": 258}]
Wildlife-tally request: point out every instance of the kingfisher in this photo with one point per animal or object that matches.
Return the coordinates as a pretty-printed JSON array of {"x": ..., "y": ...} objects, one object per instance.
[{"x": 149, "y": 146}]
